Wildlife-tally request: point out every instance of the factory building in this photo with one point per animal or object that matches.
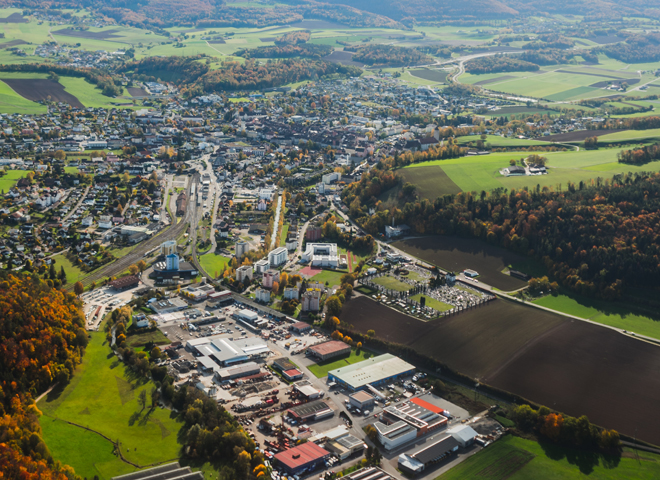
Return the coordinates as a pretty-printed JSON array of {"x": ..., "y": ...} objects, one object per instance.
[
  {"x": 327, "y": 350},
  {"x": 373, "y": 371},
  {"x": 216, "y": 351},
  {"x": 304, "y": 458},
  {"x": 436, "y": 452}
]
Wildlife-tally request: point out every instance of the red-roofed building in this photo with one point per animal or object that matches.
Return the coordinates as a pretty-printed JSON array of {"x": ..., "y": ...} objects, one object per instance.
[
  {"x": 306, "y": 457},
  {"x": 428, "y": 406},
  {"x": 293, "y": 374}
]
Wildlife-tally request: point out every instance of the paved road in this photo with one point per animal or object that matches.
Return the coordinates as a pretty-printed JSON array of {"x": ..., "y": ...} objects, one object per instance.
[
  {"x": 74, "y": 209},
  {"x": 276, "y": 224}
]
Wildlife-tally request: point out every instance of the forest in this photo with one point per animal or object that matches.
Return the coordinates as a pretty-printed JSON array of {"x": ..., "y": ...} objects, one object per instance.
[
  {"x": 549, "y": 41},
  {"x": 43, "y": 342},
  {"x": 174, "y": 69},
  {"x": 594, "y": 239},
  {"x": 499, "y": 63},
  {"x": 636, "y": 49},
  {"x": 306, "y": 50},
  {"x": 388, "y": 55},
  {"x": 252, "y": 76},
  {"x": 294, "y": 38},
  {"x": 553, "y": 56}
]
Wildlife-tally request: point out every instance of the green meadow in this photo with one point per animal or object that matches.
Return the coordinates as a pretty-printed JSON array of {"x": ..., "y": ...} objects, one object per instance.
[{"x": 103, "y": 396}]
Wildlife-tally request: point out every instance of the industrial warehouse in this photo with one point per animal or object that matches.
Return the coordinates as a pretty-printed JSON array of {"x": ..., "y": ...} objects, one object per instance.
[
  {"x": 303, "y": 458},
  {"x": 215, "y": 352},
  {"x": 327, "y": 350},
  {"x": 374, "y": 371}
]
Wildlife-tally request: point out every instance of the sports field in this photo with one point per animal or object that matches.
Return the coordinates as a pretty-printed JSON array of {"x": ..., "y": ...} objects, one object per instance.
[
  {"x": 103, "y": 396},
  {"x": 392, "y": 283},
  {"x": 515, "y": 458},
  {"x": 328, "y": 276},
  {"x": 321, "y": 369},
  {"x": 607, "y": 313}
]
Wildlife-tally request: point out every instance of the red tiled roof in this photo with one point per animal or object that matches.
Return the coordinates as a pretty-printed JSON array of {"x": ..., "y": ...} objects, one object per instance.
[
  {"x": 301, "y": 455},
  {"x": 330, "y": 347}
]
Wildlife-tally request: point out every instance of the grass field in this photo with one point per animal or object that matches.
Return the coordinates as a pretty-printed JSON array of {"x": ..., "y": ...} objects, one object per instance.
[
  {"x": 141, "y": 339},
  {"x": 392, "y": 283},
  {"x": 433, "y": 303},
  {"x": 213, "y": 263},
  {"x": 73, "y": 273},
  {"x": 88, "y": 94},
  {"x": 515, "y": 458},
  {"x": 8, "y": 180},
  {"x": 630, "y": 135},
  {"x": 603, "y": 312},
  {"x": 321, "y": 369},
  {"x": 497, "y": 141},
  {"x": 481, "y": 172},
  {"x": 329, "y": 276},
  {"x": 103, "y": 396}
]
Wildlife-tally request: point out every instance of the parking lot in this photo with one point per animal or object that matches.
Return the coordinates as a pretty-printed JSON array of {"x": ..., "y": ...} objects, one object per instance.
[{"x": 98, "y": 302}]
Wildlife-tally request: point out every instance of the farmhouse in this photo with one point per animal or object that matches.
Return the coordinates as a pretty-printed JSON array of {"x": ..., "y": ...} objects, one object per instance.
[
  {"x": 514, "y": 170},
  {"x": 373, "y": 371}
]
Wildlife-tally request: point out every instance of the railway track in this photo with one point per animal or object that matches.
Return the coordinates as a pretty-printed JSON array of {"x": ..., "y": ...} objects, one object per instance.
[{"x": 138, "y": 253}]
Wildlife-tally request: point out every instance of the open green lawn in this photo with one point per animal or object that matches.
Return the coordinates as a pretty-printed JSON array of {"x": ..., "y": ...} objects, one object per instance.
[
  {"x": 607, "y": 313},
  {"x": 283, "y": 234},
  {"x": 433, "y": 303},
  {"x": 141, "y": 339},
  {"x": 330, "y": 276},
  {"x": 88, "y": 94},
  {"x": 213, "y": 263},
  {"x": 8, "y": 180},
  {"x": 103, "y": 396},
  {"x": 321, "y": 369},
  {"x": 628, "y": 135},
  {"x": 392, "y": 284},
  {"x": 73, "y": 273},
  {"x": 515, "y": 458}
]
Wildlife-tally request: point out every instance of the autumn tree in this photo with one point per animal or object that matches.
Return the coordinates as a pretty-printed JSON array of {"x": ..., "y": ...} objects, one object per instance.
[
  {"x": 133, "y": 269},
  {"x": 333, "y": 305},
  {"x": 78, "y": 288},
  {"x": 142, "y": 265}
]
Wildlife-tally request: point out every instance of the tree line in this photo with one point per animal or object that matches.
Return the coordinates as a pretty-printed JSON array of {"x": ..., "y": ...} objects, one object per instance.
[
  {"x": 388, "y": 55},
  {"x": 594, "y": 239},
  {"x": 499, "y": 63},
  {"x": 306, "y": 50}
]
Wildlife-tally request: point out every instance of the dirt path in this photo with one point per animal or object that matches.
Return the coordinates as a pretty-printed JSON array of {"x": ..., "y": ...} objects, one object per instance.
[{"x": 45, "y": 393}]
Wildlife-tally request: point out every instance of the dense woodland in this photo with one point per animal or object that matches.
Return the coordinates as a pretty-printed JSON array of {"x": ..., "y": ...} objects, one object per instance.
[
  {"x": 176, "y": 69},
  {"x": 499, "y": 63},
  {"x": 294, "y": 38},
  {"x": 388, "y": 55},
  {"x": 251, "y": 76},
  {"x": 544, "y": 42},
  {"x": 307, "y": 50},
  {"x": 636, "y": 49},
  {"x": 594, "y": 239},
  {"x": 43, "y": 340}
]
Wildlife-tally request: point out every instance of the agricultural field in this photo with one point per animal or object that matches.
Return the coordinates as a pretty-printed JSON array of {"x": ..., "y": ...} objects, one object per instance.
[
  {"x": 561, "y": 83},
  {"x": 456, "y": 254},
  {"x": 321, "y": 370},
  {"x": 481, "y": 172},
  {"x": 516, "y": 458},
  {"x": 12, "y": 102},
  {"x": 36, "y": 89},
  {"x": 103, "y": 396},
  {"x": 607, "y": 313},
  {"x": 570, "y": 366},
  {"x": 213, "y": 263},
  {"x": 497, "y": 141},
  {"x": 651, "y": 135},
  {"x": 392, "y": 283}
]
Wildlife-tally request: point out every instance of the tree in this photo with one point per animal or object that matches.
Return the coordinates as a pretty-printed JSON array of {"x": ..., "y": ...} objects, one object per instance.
[
  {"x": 62, "y": 275},
  {"x": 333, "y": 305},
  {"x": 359, "y": 345},
  {"x": 142, "y": 398},
  {"x": 78, "y": 288},
  {"x": 371, "y": 333},
  {"x": 133, "y": 269},
  {"x": 155, "y": 353},
  {"x": 59, "y": 155},
  {"x": 142, "y": 265}
]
